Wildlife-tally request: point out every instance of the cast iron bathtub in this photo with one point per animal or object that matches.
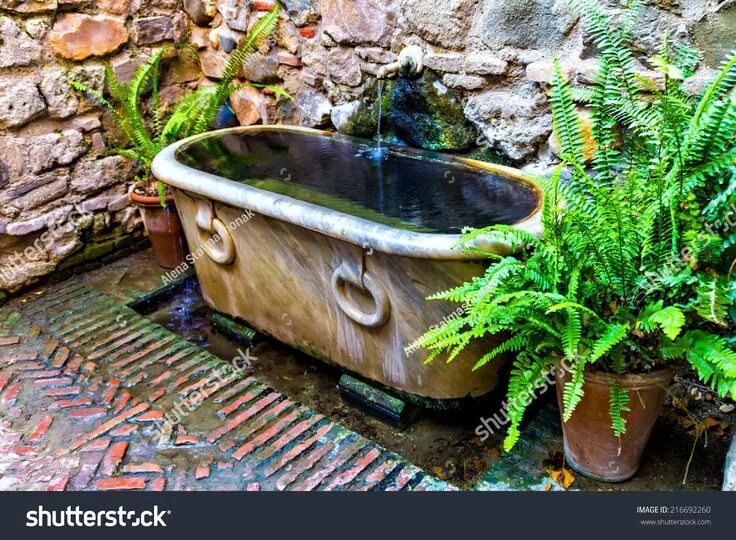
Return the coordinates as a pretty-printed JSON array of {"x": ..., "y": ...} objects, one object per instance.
[{"x": 308, "y": 238}]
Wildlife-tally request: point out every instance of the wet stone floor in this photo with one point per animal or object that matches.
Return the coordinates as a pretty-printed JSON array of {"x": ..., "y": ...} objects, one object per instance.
[{"x": 97, "y": 396}]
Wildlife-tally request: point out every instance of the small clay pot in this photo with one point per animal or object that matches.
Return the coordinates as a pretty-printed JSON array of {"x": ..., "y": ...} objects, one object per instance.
[
  {"x": 164, "y": 229},
  {"x": 591, "y": 448}
]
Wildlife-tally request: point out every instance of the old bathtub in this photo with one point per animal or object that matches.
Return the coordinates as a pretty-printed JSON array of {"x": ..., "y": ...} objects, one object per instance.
[{"x": 302, "y": 235}]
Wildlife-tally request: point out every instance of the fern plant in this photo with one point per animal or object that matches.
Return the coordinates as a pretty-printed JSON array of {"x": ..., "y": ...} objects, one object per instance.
[
  {"x": 627, "y": 276},
  {"x": 194, "y": 114}
]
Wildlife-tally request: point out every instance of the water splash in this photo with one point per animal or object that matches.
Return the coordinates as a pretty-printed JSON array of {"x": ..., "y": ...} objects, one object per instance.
[{"x": 377, "y": 153}]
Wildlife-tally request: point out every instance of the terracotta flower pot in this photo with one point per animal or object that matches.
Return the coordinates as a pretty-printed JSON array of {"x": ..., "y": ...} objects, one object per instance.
[
  {"x": 591, "y": 448},
  {"x": 164, "y": 229}
]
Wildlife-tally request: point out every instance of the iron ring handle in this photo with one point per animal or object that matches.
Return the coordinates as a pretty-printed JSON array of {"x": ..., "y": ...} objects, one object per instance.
[
  {"x": 221, "y": 251},
  {"x": 344, "y": 274}
]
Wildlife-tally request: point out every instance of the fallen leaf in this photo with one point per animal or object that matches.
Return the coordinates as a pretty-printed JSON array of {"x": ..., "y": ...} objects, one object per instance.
[
  {"x": 547, "y": 487},
  {"x": 494, "y": 452},
  {"x": 440, "y": 473},
  {"x": 562, "y": 477}
]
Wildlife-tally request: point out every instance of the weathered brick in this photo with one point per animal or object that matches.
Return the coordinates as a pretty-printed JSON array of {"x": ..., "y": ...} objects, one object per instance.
[
  {"x": 265, "y": 436},
  {"x": 147, "y": 467},
  {"x": 64, "y": 391},
  {"x": 121, "y": 483},
  {"x": 41, "y": 428},
  {"x": 92, "y": 412},
  {"x": 113, "y": 458},
  {"x": 107, "y": 426},
  {"x": 242, "y": 417},
  {"x": 68, "y": 403}
]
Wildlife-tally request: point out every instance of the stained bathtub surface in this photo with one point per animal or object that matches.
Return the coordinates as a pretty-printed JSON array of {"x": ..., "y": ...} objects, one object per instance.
[{"x": 406, "y": 189}]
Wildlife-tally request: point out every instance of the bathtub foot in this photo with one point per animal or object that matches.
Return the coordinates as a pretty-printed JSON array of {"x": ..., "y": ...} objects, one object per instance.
[
  {"x": 234, "y": 329},
  {"x": 386, "y": 407}
]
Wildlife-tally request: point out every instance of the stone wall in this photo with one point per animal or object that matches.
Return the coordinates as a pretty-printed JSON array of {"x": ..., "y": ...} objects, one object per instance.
[
  {"x": 63, "y": 195},
  {"x": 483, "y": 92}
]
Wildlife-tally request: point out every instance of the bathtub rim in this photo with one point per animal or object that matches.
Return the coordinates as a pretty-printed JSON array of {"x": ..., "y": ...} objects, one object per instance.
[{"x": 355, "y": 230}]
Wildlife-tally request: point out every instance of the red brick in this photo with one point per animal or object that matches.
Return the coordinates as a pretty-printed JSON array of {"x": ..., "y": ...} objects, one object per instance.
[
  {"x": 64, "y": 391},
  {"x": 149, "y": 417},
  {"x": 124, "y": 431},
  {"x": 237, "y": 389},
  {"x": 107, "y": 426},
  {"x": 53, "y": 382},
  {"x": 41, "y": 428},
  {"x": 62, "y": 355},
  {"x": 158, "y": 484},
  {"x": 378, "y": 474},
  {"x": 148, "y": 467},
  {"x": 297, "y": 450},
  {"x": 224, "y": 465},
  {"x": 39, "y": 374},
  {"x": 264, "y": 437},
  {"x": 158, "y": 394},
  {"x": 121, "y": 483},
  {"x": 245, "y": 398},
  {"x": 112, "y": 388},
  {"x": 202, "y": 471},
  {"x": 289, "y": 436},
  {"x": 98, "y": 444},
  {"x": 242, "y": 417},
  {"x": 91, "y": 412},
  {"x": 253, "y": 486},
  {"x": 360, "y": 465},
  {"x": 29, "y": 365},
  {"x": 5, "y": 378},
  {"x": 11, "y": 393},
  {"x": 182, "y": 440},
  {"x": 304, "y": 464},
  {"x": 50, "y": 348},
  {"x": 329, "y": 467},
  {"x": 121, "y": 402},
  {"x": 59, "y": 483},
  {"x": 308, "y": 32},
  {"x": 224, "y": 446},
  {"x": 405, "y": 474},
  {"x": 68, "y": 403},
  {"x": 262, "y": 5},
  {"x": 113, "y": 457},
  {"x": 10, "y": 340},
  {"x": 73, "y": 366},
  {"x": 24, "y": 449}
]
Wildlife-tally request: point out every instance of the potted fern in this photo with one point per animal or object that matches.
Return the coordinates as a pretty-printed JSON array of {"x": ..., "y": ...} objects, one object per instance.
[
  {"x": 627, "y": 279},
  {"x": 146, "y": 136}
]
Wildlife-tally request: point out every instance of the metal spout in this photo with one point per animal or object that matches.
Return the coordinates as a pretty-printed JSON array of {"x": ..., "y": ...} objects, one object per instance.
[{"x": 410, "y": 63}]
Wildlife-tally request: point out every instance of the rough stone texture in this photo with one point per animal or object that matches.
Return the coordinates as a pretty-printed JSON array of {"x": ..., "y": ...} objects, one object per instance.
[
  {"x": 484, "y": 64},
  {"x": 250, "y": 106},
  {"x": 513, "y": 120},
  {"x": 16, "y": 47},
  {"x": 357, "y": 22},
  {"x": 150, "y": 30},
  {"x": 448, "y": 62},
  {"x": 343, "y": 67},
  {"x": 440, "y": 23},
  {"x": 27, "y": 7},
  {"x": 92, "y": 176},
  {"x": 117, "y": 7},
  {"x": 543, "y": 24},
  {"x": 20, "y": 102},
  {"x": 343, "y": 113},
  {"x": 77, "y": 36},
  {"x": 716, "y": 34},
  {"x": 61, "y": 100},
  {"x": 200, "y": 11}
]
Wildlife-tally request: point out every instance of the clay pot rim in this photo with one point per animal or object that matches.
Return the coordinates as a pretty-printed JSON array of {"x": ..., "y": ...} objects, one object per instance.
[
  {"x": 144, "y": 200},
  {"x": 631, "y": 381}
]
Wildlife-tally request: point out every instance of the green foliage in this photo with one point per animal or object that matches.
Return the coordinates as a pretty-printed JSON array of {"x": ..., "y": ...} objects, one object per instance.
[
  {"x": 629, "y": 274},
  {"x": 147, "y": 134}
]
